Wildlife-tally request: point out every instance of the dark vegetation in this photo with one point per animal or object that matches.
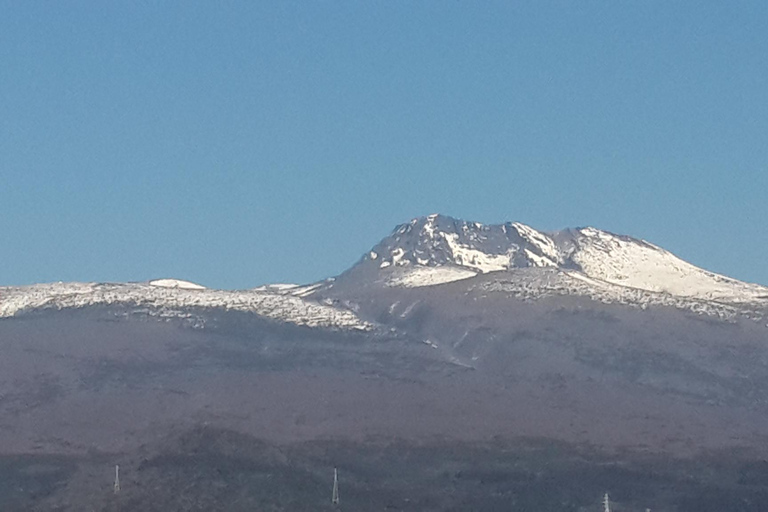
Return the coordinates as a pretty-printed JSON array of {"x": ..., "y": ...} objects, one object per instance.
[{"x": 207, "y": 469}]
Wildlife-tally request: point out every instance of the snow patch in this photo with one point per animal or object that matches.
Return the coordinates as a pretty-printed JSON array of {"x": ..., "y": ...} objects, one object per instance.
[
  {"x": 397, "y": 256},
  {"x": 429, "y": 276},
  {"x": 475, "y": 259},
  {"x": 176, "y": 283},
  {"x": 305, "y": 291},
  {"x": 551, "y": 254},
  {"x": 429, "y": 227}
]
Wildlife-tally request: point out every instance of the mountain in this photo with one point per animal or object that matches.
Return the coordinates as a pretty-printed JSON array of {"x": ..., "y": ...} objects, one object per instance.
[
  {"x": 456, "y": 366},
  {"x": 435, "y": 249}
]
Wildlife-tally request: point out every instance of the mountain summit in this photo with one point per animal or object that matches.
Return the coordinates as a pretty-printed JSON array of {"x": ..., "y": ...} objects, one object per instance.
[{"x": 438, "y": 249}]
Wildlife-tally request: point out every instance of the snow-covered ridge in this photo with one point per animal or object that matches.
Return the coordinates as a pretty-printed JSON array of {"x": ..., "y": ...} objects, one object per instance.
[
  {"x": 536, "y": 284},
  {"x": 290, "y": 289},
  {"x": 175, "y": 301},
  {"x": 639, "y": 264},
  {"x": 437, "y": 241},
  {"x": 428, "y": 276}
]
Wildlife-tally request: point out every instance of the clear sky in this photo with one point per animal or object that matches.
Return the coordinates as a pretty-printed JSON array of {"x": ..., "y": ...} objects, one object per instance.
[{"x": 235, "y": 143}]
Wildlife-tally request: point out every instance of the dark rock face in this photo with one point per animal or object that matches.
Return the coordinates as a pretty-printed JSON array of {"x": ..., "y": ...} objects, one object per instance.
[{"x": 464, "y": 396}]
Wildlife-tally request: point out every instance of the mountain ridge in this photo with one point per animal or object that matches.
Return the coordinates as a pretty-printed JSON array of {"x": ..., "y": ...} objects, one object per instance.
[
  {"x": 434, "y": 250},
  {"x": 441, "y": 241}
]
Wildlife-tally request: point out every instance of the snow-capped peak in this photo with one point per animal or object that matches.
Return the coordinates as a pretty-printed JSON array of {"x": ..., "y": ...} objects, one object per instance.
[
  {"x": 460, "y": 250},
  {"x": 438, "y": 240}
]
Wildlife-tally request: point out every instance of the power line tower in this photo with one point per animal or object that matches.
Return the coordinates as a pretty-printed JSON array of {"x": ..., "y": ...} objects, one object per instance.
[
  {"x": 117, "y": 479},
  {"x": 335, "y": 495}
]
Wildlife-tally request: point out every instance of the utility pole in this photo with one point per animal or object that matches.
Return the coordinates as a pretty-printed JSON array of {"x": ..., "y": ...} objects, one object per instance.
[
  {"x": 335, "y": 495},
  {"x": 117, "y": 479}
]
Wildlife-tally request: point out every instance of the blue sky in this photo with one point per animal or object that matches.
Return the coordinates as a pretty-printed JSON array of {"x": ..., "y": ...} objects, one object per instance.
[{"x": 237, "y": 143}]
